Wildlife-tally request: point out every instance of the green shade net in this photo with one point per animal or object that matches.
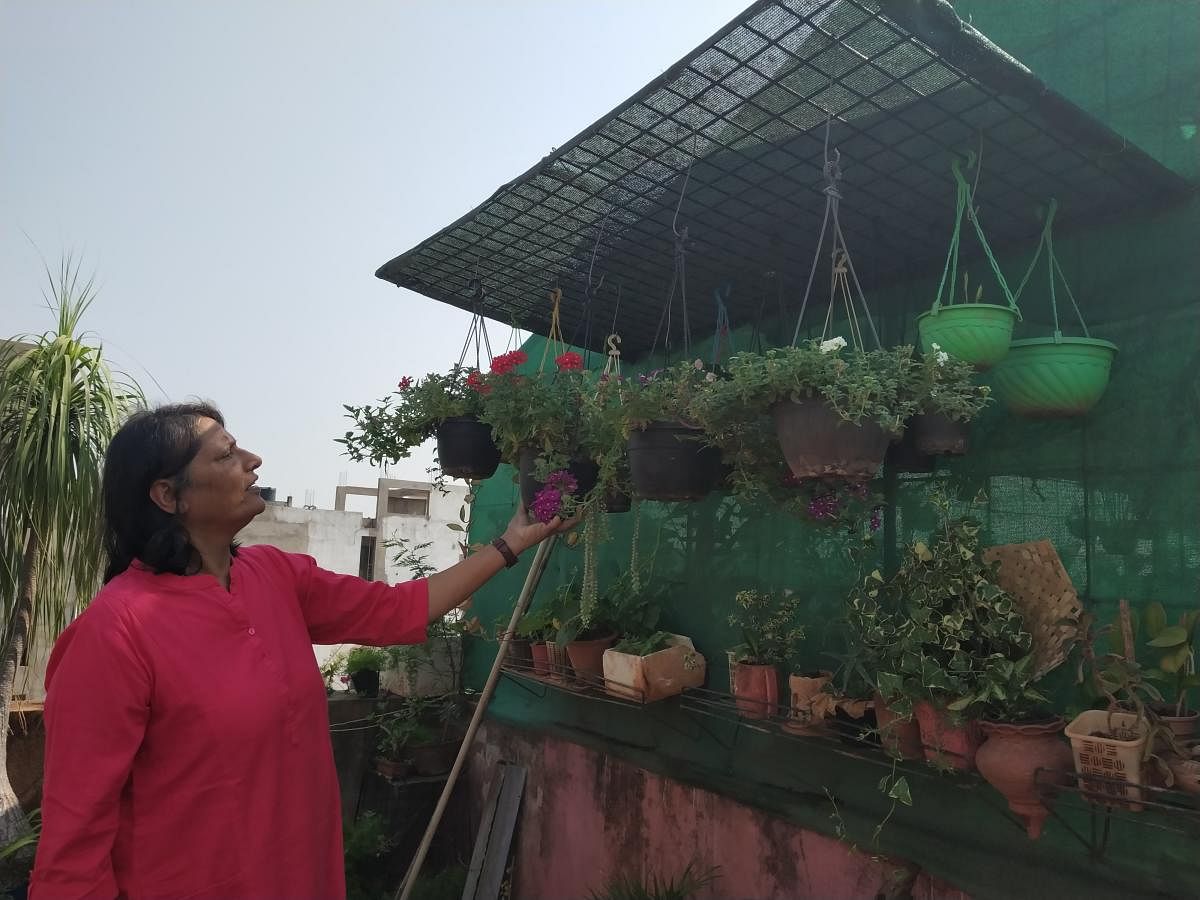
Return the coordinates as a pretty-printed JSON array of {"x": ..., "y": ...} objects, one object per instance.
[{"x": 1117, "y": 492}]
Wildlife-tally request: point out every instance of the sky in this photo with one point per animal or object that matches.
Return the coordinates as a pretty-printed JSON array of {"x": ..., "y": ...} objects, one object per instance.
[{"x": 233, "y": 173}]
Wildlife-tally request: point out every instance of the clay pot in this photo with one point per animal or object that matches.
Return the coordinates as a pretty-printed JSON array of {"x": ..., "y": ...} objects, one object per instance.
[
  {"x": 434, "y": 759},
  {"x": 755, "y": 689},
  {"x": 540, "y": 655},
  {"x": 900, "y": 736},
  {"x": 1183, "y": 727},
  {"x": 938, "y": 435},
  {"x": 520, "y": 654},
  {"x": 944, "y": 743},
  {"x": 1009, "y": 761},
  {"x": 804, "y": 688},
  {"x": 392, "y": 768},
  {"x": 587, "y": 657}
]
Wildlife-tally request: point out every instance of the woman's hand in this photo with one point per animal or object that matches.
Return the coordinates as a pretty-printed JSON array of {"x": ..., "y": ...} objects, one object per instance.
[{"x": 521, "y": 533}]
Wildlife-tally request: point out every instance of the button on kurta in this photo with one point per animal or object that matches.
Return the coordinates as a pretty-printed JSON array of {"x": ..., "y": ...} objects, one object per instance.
[{"x": 250, "y": 632}]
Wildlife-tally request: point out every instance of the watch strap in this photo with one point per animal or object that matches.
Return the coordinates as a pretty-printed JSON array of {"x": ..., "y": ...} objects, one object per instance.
[{"x": 510, "y": 558}]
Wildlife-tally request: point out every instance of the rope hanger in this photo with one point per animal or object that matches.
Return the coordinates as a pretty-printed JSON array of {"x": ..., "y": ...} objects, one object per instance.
[{"x": 1047, "y": 243}]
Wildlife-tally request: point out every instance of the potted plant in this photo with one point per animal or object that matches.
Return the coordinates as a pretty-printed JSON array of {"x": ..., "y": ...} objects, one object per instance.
[
  {"x": 854, "y": 678},
  {"x": 585, "y": 632},
  {"x": 420, "y": 735},
  {"x": 834, "y": 410},
  {"x": 766, "y": 623},
  {"x": 1176, "y": 670},
  {"x": 653, "y": 667},
  {"x": 395, "y": 732},
  {"x": 363, "y": 665},
  {"x": 949, "y": 400},
  {"x": 538, "y": 628},
  {"x": 669, "y": 458},
  {"x": 446, "y": 406},
  {"x": 942, "y": 632}
]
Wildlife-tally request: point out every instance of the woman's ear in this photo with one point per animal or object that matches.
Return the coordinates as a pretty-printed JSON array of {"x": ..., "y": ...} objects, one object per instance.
[{"x": 162, "y": 492}]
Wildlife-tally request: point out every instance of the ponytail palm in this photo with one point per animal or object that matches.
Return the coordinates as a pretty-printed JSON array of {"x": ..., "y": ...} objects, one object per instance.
[{"x": 60, "y": 405}]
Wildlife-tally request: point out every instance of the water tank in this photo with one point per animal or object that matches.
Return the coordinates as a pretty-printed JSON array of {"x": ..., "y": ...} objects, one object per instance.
[{"x": 267, "y": 493}]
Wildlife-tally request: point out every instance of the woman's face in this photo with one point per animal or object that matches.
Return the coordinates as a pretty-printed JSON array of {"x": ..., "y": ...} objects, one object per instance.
[{"x": 220, "y": 494}]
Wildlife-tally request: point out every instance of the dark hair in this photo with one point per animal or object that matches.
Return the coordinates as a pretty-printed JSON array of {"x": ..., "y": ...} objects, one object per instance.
[{"x": 153, "y": 444}]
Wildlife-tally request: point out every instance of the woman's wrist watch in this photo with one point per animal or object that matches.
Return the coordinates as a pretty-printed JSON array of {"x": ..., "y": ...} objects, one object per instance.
[{"x": 510, "y": 558}]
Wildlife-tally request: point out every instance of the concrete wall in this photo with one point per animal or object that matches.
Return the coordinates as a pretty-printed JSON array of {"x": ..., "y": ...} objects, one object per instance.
[
  {"x": 587, "y": 816},
  {"x": 331, "y": 537},
  {"x": 443, "y": 510}
]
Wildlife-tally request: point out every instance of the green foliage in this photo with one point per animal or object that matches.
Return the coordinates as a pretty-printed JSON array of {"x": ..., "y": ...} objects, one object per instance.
[
  {"x": 415, "y": 722},
  {"x": 333, "y": 667},
  {"x": 411, "y": 556},
  {"x": 941, "y": 629},
  {"x": 364, "y": 843},
  {"x": 686, "y": 884},
  {"x": 543, "y": 410},
  {"x": 948, "y": 386},
  {"x": 665, "y": 395},
  {"x": 1175, "y": 649},
  {"x": 389, "y": 431},
  {"x": 767, "y": 624},
  {"x": 644, "y": 646},
  {"x": 366, "y": 659}
]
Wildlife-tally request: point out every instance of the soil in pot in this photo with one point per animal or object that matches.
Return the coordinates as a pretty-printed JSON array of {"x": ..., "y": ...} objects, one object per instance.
[
  {"x": 900, "y": 736},
  {"x": 755, "y": 689},
  {"x": 1010, "y": 759},
  {"x": 465, "y": 449},
  {"x": 669, "y": 461},
  {"x": 938, "y": 435},
  {"x": 944, "y": 742},
  {"x": 803, "y": 717},
  {"x": 587, "y": 657},
  {"x": 584, "y": 471},
  {"x": 365, "y": 683},
  {"x": 818, "y": 443}
]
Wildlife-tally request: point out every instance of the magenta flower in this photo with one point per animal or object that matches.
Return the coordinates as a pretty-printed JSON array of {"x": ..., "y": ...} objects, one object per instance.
[{"x": 549, "y": 501}]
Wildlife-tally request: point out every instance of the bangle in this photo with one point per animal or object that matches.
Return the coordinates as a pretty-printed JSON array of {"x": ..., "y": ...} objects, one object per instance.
[{"x": 510, "y": 558}]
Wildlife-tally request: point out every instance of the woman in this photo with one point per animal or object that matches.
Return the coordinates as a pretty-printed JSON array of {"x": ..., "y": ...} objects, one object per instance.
[{"x": 187, "y": 732}]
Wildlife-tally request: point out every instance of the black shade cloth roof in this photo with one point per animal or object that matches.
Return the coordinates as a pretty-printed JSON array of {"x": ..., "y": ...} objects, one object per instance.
[{"x": 904, "y": 85}]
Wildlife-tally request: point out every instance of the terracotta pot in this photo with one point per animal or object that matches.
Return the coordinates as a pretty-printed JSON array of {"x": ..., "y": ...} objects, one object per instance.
[
  {"x": 520, "y": 654},
  {"x": 392, "y": 768},
  {"x": 541, "y": 658},
  {"x": 587, "y": 657},
  {"x": 900, "y": 736},
  {"x": 1009, "y": 761},
  {"x": 804, "y": 688},
  {"x": 944, "y": 743},
  {"x": 434, "y": 759},
  {"x": 755, "y": 689},
  {"x": 1183, "y": 727}
]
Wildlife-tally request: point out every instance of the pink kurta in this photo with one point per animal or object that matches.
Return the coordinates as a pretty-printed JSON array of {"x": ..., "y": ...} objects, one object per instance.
[{"x": 187, "y": 732}]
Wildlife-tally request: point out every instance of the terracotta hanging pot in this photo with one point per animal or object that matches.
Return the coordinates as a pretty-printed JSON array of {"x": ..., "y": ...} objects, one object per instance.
[
  {"x": 945, "y": 743},
  {"x": 1010, "y": 759},
  {"x": 587, "y": 657},
  {"x": 900, "y": 736},
  {"x": 755, "y": 689},
  {"x": 818, "y": 443}
]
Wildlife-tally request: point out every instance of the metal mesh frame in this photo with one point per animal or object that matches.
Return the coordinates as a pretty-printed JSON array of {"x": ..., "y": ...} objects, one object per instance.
[{"x": 905, "y": 86}]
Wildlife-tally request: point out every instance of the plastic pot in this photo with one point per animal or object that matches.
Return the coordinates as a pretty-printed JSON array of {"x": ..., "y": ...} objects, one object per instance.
[
  {"x": 669, "y": 461},
  {"x": 1054, "y": 377},
  {"x": 1010, "y": 759},
  {"x": 365, "y": 683},
  {"x": 465, "y": 448},
  {"x": 979, "y": 333},
  {"x": 818, "y": 443},
  {"x": 938, "y": 435}
]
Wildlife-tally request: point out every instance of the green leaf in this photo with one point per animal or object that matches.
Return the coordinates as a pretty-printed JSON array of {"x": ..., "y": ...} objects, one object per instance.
[
  {"x": 454, "y": 526},
  {"x": 900, "y": 791},
  {"x": 1154, "y": 619},
  {"x": 1175, "y": 660},
  {"x": 1170, "y": 636},
  {"x": 960, "y": 704}
]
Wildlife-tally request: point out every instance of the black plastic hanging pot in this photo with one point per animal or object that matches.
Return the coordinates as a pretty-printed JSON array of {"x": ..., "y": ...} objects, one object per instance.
[
  {"x": 903, "y": 455},
  {"x": 365, "y": 683},
  {"x": 818, "y": 443},
  {"x": 466, "y": 449},
  {"x": 584, "y": 471},
  {"x": 617, "y": 501},
  {"x": 669, "y": 461},
  {"x": 937, "y": 435}
]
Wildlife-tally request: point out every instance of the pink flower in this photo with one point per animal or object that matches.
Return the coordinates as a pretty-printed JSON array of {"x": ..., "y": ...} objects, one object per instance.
[
  {"x": 345, "y": 679},
  {"x": 548, "y": 502},
  {"x": 569, "y": 361},
  {"x": 405, "y": 383}
]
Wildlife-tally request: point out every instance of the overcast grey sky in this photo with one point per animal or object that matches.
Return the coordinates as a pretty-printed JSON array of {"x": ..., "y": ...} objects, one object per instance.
[{"x": 234, "y": 173}]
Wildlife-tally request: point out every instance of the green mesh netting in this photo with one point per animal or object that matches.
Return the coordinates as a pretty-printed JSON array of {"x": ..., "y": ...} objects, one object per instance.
[{"x": 1118, "y": 493}]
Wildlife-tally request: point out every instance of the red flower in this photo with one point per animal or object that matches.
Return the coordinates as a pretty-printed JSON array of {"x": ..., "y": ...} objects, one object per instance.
[
  {"x": 569, "y": 361},
  {"x": 405, "y": 383},
  {"x": 506, "y": 362},
  {"x": 475, "y": 382}
]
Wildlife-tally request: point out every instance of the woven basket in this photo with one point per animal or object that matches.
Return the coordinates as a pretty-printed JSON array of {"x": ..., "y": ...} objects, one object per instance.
[{"x": 1039, "y": 584}]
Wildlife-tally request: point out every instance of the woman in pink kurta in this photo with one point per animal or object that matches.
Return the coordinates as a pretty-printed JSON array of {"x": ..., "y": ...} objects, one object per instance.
[{"x": 187, "y": 733}]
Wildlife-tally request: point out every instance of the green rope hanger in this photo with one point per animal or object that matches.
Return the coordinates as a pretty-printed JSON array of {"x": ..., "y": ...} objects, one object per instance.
[
  {"x": 965, "y": 203},
  {"x": 1047, "y": 242}
]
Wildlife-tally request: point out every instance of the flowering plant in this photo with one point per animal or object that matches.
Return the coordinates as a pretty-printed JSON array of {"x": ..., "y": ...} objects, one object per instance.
[
  {"x": 666, "y": 394},
  {"x": 388, "y": 431},
  {"x": 766, "y": 622},
  {"x": 945, "y": 386}
]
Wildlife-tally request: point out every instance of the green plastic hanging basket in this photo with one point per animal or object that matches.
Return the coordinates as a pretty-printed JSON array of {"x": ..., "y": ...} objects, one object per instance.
[
  {"x": 1054, "y": 377},
  {"x": 978, "y": 333}
]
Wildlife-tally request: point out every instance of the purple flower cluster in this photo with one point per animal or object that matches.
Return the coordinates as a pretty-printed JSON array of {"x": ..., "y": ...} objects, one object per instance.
[
  {"x": 548, "y": 502},
  {"x": 823, "y": 507},
  {"x": 876, "y": 518}
]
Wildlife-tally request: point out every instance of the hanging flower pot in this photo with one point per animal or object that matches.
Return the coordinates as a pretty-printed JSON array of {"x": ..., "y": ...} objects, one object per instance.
[
  {"x": 938, "y": 435},
  {"x": 944, "y": 742},
  {"x": 900, "y": 736},
  {"x": 584, "y": 471},
  {"x": 1054, "y": 377},
  {"x": 466, "y": 450},
  {"x": 818, "y": 443},
  {"x": 365, "y": 682},
  {"x": 669, "y": 461},
  {"x": 978, "y": 333},
  {"x": 1010, "y": 759},
  {"x": 755, "y": 689}
]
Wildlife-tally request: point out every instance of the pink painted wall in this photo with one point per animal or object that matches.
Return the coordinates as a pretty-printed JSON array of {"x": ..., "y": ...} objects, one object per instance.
[{"x": 586, "y": 815}]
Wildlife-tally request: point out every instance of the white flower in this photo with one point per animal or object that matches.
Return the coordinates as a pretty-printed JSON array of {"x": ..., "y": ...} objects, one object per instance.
[
  {"x": 836, "y": 343},
  {"x": 698, "y": 365},
  {"x": 942, "y": 357},
  {"x": 935, "y": 346},
  {"x": 710, "y": 377}
]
